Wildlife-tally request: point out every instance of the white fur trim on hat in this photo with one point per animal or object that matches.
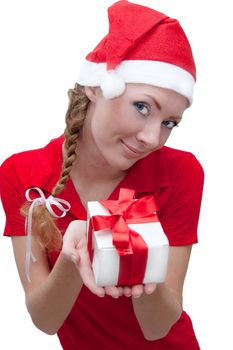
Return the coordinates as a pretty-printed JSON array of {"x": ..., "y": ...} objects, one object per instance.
[
  {"x": 155, "y": 73},
  {"x": 112, "y": 85}
]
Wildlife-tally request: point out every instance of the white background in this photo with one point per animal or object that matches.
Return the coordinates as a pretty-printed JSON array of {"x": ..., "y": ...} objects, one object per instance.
[{"x": 42, "y": 45}]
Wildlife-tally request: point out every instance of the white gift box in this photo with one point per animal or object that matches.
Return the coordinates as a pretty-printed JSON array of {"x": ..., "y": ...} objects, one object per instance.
[{"x": 106, "y": 261}]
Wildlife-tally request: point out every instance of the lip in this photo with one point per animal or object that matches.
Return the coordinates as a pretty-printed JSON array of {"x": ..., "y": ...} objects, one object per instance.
[{"x": 131, "y": 151}]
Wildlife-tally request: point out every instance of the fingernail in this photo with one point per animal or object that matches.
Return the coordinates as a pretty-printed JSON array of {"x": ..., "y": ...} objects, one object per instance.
[
  {"x": 136, "y": 296},
  {"x": 73, "y": 258},
  {"x": 128, "y": 295},
  {"x": 150, "y": 291}
]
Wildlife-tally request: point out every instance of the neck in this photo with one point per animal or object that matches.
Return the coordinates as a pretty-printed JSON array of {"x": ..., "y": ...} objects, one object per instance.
[{"x": 92, "y": 169}]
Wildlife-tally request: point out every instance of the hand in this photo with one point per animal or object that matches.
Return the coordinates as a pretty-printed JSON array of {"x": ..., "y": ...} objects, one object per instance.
[
  {"x": 75, "y": 249},
  {"x": 137, "y": 290}
]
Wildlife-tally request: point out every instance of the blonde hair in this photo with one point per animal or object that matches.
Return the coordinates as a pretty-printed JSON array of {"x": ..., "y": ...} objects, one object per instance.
[{"x": 43, "y": 224}]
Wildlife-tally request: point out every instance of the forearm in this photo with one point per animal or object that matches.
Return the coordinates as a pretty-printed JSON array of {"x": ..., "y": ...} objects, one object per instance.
[
  {"x": 51, "y": 302},
  {"x": 156, "y": 313}
]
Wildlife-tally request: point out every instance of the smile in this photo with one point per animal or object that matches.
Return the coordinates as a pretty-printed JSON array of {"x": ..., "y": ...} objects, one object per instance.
[{"x": 131, "y": 151}]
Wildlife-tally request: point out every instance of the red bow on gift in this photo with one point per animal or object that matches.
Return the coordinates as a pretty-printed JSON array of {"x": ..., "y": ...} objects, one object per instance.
[{"x": 131, "y": 247}]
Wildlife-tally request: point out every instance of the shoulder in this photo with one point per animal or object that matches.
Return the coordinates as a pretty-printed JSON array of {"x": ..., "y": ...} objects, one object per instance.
[
  {"x": 165, "y": 168},
  {"x": 169, "y": 163},
  {"x": 180, "y": 203},
  {"x": 186, "y": 180},
  {"x": 23, "y": 166},
  {"x": 31, "y": 156},
  {"x": 175, "y": 157},
  {"x": 181, "y": 161},
  {"x": 171, "y": 158},
  {"x": 20, "y": 161}
]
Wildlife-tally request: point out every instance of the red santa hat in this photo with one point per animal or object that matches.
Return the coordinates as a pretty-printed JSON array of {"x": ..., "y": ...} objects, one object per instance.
[{"x": 142, "y": 46}]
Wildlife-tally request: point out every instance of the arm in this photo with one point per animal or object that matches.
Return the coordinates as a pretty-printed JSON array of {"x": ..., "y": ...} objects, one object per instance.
[
  {"x": 51, "y": 295},
  {"x": 157, "y": 312}
]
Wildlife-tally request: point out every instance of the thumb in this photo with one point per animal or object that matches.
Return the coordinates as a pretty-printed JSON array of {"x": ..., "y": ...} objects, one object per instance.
[
  {"x": 75, "y": 257},
  {"x": 69, "y": 252}
]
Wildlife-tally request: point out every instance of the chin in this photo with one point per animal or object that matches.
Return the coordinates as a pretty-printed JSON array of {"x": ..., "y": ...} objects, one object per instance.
[{"x": 124, "y": 165}]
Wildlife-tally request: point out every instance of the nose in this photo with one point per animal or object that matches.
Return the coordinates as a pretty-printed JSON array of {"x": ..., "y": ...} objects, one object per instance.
[{"x": 150, "y": 136}]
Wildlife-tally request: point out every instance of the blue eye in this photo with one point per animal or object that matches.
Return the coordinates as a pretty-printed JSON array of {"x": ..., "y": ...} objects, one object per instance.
[
  {"x": 142, "y": 108},
  {"x": 170, "y": 124}
]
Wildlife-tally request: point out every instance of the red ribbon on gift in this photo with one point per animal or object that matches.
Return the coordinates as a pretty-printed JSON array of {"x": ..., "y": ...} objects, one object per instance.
[{"x": 131, "y": 247}]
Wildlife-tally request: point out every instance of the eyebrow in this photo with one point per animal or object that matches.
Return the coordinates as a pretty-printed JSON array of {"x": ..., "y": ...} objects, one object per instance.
[
  {"x": 159, "y": 106},
  {"x": 155, "y": 101}
]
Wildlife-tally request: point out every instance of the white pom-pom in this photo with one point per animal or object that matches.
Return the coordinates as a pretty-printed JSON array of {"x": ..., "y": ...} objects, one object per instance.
[{"x": 112, "y": 85}]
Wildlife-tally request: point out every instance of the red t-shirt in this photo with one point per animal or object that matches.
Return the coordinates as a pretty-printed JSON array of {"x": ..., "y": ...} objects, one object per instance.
[{"x": 174, "y": 177}]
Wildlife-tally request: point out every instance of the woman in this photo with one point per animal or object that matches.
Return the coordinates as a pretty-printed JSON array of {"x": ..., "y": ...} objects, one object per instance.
[{"x": 132, "y": 91}]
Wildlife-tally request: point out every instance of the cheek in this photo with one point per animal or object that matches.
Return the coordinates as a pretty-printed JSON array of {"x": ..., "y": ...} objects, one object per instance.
[
  {"x": 165, "y": 133},
  {"x": 98, "y": 129},
  {"x": 129, "y": 121},
  {"x": 116, "y": 119}
]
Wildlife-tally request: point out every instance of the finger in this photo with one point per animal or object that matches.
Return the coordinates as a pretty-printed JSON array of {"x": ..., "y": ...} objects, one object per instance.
[
  {"x": 76, "y": 259},
  {"x": 137, "y": 290},
  {"x": 69, "y": 250},
  {"x": 71, "y": 255},
  {"x": 86, "y": 273},
  {"x": 149, "y": 288},
  {"x": 113, "y": 291},
  {"x": 127, "y": 291},
  {"x": 74, "y": 236},
  {"x": 120, "y": 289},
  {"x": 88, "y": 279}
]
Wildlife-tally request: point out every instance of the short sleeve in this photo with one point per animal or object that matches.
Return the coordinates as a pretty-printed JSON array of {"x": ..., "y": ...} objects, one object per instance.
[
  {"x": 179, "y": 216},
  {"x": 12, "y": 196}
]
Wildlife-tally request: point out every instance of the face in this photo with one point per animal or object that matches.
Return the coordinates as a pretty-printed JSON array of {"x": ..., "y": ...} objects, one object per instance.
[{"x": 125, "y": 129}]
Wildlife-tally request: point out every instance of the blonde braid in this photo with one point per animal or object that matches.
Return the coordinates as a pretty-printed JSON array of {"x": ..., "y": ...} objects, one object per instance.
[
  {"x": 44, "y": 225},
  {"x": 74, "y": 121}
]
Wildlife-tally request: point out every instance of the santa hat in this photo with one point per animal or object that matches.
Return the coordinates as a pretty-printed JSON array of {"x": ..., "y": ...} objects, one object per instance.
[{"x": 142, "y": 46}]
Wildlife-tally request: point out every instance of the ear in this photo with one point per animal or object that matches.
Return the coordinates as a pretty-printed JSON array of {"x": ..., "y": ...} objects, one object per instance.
[{"x": 91, "y": 92}]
